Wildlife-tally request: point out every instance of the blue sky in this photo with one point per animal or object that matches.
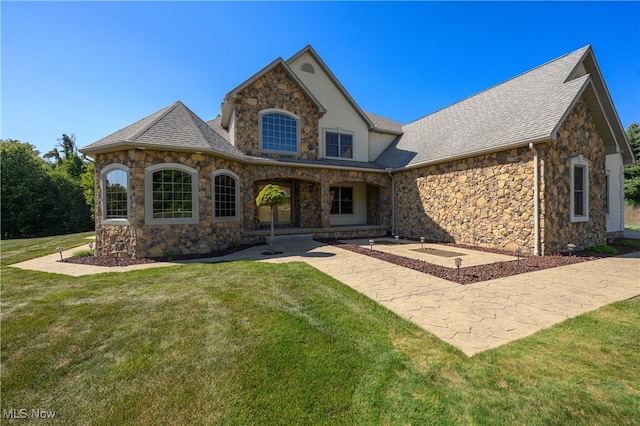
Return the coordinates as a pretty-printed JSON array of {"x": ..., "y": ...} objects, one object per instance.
[{"x": 91, "y": 68}]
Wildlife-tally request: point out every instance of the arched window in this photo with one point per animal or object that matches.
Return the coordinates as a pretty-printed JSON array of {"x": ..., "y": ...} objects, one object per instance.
[
  {"x": 171, "y": 194},
  {"x": 279, "y": 131},
  {"x": 226, "y": 196},
  {"x": 114, "y": 181}
]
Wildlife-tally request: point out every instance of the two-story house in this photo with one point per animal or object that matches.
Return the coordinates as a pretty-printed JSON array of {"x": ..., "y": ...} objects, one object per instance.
[{"x": 535, "y": 162}]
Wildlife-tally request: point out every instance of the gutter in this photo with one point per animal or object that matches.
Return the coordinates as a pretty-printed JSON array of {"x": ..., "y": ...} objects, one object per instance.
[{"x": 536, "y": 200}]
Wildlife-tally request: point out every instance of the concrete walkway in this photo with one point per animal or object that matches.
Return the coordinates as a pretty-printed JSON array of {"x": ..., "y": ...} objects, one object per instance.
[{"x": 473, "y": 317}]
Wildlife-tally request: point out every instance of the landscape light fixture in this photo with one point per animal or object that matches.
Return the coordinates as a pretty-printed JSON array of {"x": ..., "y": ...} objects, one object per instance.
[
  {"x": 90, "y": 246},
  {"x": 60, "y": 251},
  {"x": 571, "y": 248},
  {"x": 371, "y": 244},
  {"x": 458, "y": 263},
  {"x": 397, "y": 237},
  {"x": 518, "y": 254},
  {"x": 422, "y": 243}
]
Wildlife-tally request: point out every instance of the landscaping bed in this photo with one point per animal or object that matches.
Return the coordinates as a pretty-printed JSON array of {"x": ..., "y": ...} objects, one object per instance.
[
  {"x": 474, "y": 274},
  {"x": 466, "y": 275}
]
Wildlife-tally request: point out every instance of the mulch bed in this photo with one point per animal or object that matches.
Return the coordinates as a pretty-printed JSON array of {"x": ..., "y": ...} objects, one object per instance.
[
  {"x": 467, "y": 275},
  {"x": 474, "y": 274},
  {"x": 126, "y": 261}
]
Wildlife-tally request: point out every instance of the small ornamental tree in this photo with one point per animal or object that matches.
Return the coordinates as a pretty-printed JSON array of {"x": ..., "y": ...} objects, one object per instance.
[{"x": 272, "y": 196}]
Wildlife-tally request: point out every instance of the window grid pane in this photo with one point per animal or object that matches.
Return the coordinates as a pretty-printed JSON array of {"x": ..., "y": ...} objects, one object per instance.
[
  {"x": 578, "y": 191},
  {"x": 342, "y": 200},
  {"x": 338, "y": 145},
  {"x": 279, "y": 133},
  {"x": 172, "y": 194},
  {"x": 225, "y": 196},
  {"x": 116, "y": 195}
]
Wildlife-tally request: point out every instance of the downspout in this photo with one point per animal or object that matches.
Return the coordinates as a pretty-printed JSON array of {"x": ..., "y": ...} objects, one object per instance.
[
  {"x": 393, "y": 202},
  {"x": 536, "y": 200}
]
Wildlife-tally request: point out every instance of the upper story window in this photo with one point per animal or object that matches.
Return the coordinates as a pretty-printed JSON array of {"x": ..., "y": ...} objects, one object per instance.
[
  {"x": 279, "y": 131},
  {"x": 115, "y": 194},
  {"x": 171, "y": 194},
  {"x": 579, "y": 202},
  {"x": 338, "y": 144},
  {"x": 226, "y": 201}
]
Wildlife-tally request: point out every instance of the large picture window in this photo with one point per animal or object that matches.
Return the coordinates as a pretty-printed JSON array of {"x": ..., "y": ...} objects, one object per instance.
[
  {"x": 579, "y": 202},
  {"x": 342, "y": 199},
  {"x": 115, "y": 194},
  {"x": 171, "y": 194},
  {"x": 225, "y": 196},
  {"x": 338, "y": 145},
  {"x": 278, "y": 132}
]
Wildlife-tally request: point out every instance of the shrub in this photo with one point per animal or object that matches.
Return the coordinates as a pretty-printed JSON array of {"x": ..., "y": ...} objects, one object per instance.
[
  {"x": 605, "y": 249},
  {"x": 628, "y": 243},
  {"x": 83, "y": 253}
]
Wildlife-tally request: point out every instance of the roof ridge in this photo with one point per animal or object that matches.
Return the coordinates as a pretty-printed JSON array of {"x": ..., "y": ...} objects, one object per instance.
[
  {"x": 194, "y": 119},
  {"x": 163, "y": 113},
  {"x": 584, "y": 48}
]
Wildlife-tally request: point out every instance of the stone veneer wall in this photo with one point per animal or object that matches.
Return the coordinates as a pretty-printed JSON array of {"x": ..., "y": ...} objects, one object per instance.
[
  {"x": 485, "y": 200},
  {"x": 315, "y": 206},
  {"x": 143, "y": 240},
  {"x": 577, "y": 136},
  {"x": 283, "y": 93}
]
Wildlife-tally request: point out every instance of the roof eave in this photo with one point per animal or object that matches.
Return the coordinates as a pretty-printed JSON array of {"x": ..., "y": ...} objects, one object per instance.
[
  {"x": 128, "y": 144},
  {"x": 518, "y": 144}
]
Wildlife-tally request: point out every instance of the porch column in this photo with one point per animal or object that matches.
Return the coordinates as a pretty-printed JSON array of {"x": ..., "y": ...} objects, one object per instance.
[{"x": 326, "y": 198}]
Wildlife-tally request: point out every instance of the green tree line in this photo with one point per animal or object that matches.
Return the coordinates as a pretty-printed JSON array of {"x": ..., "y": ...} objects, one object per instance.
[
  {"x": 632, "y": 171},
  {"x": 45, "y": 196}
]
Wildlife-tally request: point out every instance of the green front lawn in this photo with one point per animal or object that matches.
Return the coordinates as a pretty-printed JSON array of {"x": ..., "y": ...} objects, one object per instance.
[{"x": 252, "y": 343}]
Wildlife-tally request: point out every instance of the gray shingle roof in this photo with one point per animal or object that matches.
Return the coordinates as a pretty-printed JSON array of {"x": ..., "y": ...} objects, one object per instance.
[
  {"x": 383, "y": 124},
  {"x": 523, "y": 109},
  {"x": 175, "y": 126}
]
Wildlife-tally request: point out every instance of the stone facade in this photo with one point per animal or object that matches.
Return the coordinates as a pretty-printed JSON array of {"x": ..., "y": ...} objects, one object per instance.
[
  {"x": 284, "y": 94},
  {"x": 489, "y": 200},
  {"x": 577, "y": 136},
  {"x": 312, "y": 204},
  {"x": 485, "y": 200},
  {"x": 143, "y": 240}
]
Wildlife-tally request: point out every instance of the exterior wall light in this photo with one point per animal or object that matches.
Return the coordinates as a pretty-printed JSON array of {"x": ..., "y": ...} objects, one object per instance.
[{"x": 458, "y": 263}]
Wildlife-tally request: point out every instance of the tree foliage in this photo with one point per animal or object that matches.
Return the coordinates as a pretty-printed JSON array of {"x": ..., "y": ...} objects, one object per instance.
[
  {"x": 42, "y": 198},
  {"x": 632, "y": 171},
  {"x": 272, "y": 196}
]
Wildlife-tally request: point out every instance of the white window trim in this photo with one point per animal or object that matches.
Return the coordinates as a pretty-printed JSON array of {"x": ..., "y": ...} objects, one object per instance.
[
  {"x": 607, "y": 193},
  {"x": 579, "y": 161},
  {"x": 213, "y": 199},
  {"x": 103, "y": 187},
  {"x": 339, "y": 131},
  {"x": 148, "y": 195},
  {"x": 284, "y": 112}
]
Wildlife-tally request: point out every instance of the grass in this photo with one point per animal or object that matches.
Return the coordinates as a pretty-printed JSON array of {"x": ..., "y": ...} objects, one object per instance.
[
  {"x": 252, "y": 343},
  {"x": 632, "y": 227},
  {"x": 14, "y": 251}
]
